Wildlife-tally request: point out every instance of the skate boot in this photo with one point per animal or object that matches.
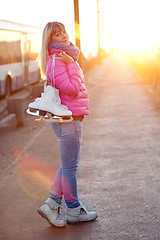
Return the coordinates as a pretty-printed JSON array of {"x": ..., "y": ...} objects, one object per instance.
[
  {"x": 34, "y": 106},
  {"x": 51, "y": 211},
  {"x": 51, "y": 103},
  {"x": 80, "y": 214},
  {"x": 51, "y": 93},
  {"x": 56, "y": 93},
  {"x": 58, "y": 100}
]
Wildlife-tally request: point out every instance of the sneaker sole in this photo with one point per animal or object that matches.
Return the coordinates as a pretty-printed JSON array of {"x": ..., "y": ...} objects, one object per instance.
[
  {"x": 44, "y": 216},
  {"x": 79, "y": 221}
]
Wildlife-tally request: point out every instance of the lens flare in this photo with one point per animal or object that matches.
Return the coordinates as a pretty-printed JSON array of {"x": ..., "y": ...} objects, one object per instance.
[{"x": 34, "y": 176}]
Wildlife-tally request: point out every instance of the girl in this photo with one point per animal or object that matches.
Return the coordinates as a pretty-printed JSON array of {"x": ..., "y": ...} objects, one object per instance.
[{"x": 69, "y": 80}]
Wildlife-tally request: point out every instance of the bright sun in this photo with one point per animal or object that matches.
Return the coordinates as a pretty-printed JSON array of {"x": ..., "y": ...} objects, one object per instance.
[{"x": 130, "y": 25}]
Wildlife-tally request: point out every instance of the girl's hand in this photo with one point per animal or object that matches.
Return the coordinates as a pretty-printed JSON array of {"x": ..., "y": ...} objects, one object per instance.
[{"x": 64, "y": 57}]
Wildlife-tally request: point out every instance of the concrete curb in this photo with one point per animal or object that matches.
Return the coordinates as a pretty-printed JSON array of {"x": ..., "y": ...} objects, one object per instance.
[{"x": 10, "y": 120}]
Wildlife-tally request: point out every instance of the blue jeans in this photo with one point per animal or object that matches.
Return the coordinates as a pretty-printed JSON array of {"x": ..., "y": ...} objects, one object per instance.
[{"x": 65, "y": 182}]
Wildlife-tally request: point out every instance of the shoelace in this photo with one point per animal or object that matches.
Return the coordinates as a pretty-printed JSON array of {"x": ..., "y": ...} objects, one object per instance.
[{"x": 58, "y": 209}]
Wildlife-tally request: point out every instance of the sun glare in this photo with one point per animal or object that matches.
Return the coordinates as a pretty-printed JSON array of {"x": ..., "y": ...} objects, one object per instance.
[
  {"x": 127, "y": 25},
  {"x": 130, "y": 25}
]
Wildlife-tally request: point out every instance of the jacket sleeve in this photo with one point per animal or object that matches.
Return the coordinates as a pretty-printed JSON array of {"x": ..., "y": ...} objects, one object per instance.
[{"x": 68, "y": 77}]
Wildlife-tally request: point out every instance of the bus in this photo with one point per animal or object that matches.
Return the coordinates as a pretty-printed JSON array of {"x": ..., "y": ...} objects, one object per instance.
[{"x": 19, "y": 48}]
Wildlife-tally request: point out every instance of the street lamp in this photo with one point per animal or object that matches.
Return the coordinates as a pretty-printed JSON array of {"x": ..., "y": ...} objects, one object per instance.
[{"x": 99, "y": 48}]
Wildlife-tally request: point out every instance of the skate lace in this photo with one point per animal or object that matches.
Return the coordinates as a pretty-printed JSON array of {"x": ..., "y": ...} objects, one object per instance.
[
  {"x": 63, "y": 107},
  {"x": 59, "y": 105}
]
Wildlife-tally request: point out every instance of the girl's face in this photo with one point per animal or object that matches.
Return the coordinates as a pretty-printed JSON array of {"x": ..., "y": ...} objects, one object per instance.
[{"x": 60, "y": 36}]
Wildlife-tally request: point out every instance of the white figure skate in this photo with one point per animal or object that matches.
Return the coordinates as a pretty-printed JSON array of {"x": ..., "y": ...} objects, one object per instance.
[{"x": 49, "y": 107}]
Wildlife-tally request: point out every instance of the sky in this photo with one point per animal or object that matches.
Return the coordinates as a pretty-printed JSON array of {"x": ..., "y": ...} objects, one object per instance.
[
  {"x": 36, "y": 12},
  {"x": 132, "y": 25}
]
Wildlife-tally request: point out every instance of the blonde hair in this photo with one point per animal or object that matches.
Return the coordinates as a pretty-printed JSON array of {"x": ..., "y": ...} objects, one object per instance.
[{"x": 49, "y": 29}]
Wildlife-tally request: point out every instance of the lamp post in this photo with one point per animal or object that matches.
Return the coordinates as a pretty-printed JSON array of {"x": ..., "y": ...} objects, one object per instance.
[
  {"x": 77, "y": 29},
  {"x": 77, "y": 23},
  {"x": 99, "y": 48}
]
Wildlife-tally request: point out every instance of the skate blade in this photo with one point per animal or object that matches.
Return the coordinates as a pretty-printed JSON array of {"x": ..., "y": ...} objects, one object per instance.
[
  {"x": 53, "y": 119},
  {"x": 36, "y": 113}
]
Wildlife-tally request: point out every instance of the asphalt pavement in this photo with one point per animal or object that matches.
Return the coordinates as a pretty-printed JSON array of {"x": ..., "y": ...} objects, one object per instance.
[{"x": 119, "y": 170}]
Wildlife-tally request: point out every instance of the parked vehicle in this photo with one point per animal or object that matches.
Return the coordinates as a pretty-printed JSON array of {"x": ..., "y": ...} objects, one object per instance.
[{"x": 19, "y": 49}]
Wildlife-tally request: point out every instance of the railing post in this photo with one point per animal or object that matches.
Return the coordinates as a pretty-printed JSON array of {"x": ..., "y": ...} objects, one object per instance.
[
  {"x": 18, "y": 104},
  {"x": 15, "y": 105}
]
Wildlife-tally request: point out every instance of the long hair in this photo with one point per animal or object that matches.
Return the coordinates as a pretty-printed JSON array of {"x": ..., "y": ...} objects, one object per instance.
[{"x": 49, "y": 29}]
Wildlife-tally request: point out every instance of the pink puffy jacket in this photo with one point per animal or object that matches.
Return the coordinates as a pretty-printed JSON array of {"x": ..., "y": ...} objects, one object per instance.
[{"x": 69, "y": 79}]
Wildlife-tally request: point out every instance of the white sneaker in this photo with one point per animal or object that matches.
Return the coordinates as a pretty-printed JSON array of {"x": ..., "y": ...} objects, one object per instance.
[
  {"x": 51, "y": 211},
  {"x": 80, "y": 214}
]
